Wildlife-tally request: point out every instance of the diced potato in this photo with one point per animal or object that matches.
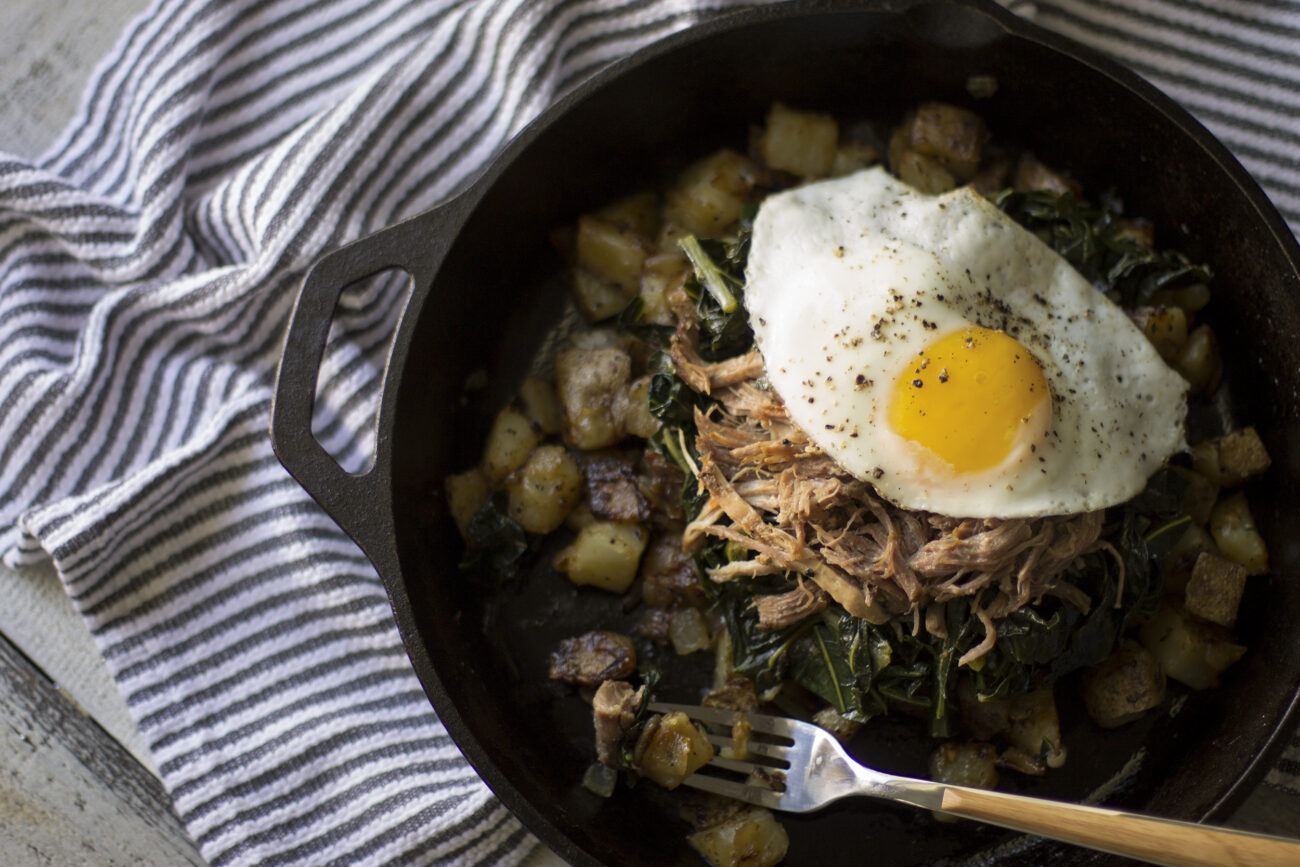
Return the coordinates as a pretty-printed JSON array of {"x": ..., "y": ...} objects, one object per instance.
[
  {"x": 1189, "y": 651},
  {"x": 1231, "y": 459},
  {"x": 597, "y": 299},
  {"x": 632, "y": 409},
  {"x": 973, "y": 764},
  {"x": 711, "y": 193},
  {"x": 671, "y": 749},
  {"x": 842, "y": 727},
  {"x": 952, "y": 137},
  {"x": 1125, "y": 686},
  {"x": 993, "y": 176},
  {"x": 466, "y": 492},
  {"x": 1035, "y": 726},
  {"x": 612, "y": 489},
  {"x": 1176, "y": 569},
  {"x": 511, "y": 440},
  {"x": 1200, "y": 362},
  {"x": 753, "y": 838},
  {"x": 689, "y": 632},
  {"x": 669, "y": 576},
  {"x": 544, "y": 490},
  {"x": 638, "y": 213},
  {"x": 1165, "y": 327},
  {"x": 587, "y": 382},
  {"x": 1192, "y": 297},
  {"x": 605, "y": 554},
  {"x": 593, "y": 658},
  {"x": 541, "y": 404},
  {"x": 662, "y": 272},
  {"x": 1030, "y": 174},
  {"x": 799, "y": 142},
  {"x": 852, "y": 156},
  {"x": 1140, "y": 231},
  {"x": 1214, "y": 590},
  {"x": 736, "y": 692},
  {"x": 1233, "y": 529},
  {"x": 613, "y": 253},
  {"x": 924, "y": 173}
]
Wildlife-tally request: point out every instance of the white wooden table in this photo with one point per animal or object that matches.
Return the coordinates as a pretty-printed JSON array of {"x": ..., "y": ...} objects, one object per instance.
[{"x": 77, "y": 785}]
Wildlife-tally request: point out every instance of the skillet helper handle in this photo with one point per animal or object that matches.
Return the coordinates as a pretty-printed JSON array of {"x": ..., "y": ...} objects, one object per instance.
[
  {"x": 1160, "y": 841},
  {"x": 354, "y": 500}
]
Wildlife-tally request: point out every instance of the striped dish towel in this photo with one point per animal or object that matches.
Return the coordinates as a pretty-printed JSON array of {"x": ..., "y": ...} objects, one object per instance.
[{"x": 148, "y": 265}]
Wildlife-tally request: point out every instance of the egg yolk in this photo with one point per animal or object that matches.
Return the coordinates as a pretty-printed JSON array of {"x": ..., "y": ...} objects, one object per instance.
[{"x": 969, "y": 397}]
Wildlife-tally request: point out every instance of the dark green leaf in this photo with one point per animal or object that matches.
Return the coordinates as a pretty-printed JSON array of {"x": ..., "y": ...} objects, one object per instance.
[
  {"x": 1091, "y": 238},
  {"x": 497, "y": 544}
]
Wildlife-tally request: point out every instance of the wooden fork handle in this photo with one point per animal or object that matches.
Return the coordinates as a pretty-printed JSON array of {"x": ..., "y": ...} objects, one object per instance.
[{"x": 1161, "y": 841}]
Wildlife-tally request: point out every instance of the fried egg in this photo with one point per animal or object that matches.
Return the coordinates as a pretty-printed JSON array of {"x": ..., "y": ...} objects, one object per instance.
[{"x": 935, "y": 348}]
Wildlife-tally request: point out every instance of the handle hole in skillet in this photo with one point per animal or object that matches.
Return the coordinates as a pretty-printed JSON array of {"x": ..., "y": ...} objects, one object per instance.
[{"x": 346, "y": 404}]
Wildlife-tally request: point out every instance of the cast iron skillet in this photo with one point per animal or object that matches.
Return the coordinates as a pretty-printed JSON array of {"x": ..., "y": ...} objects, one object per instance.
[{"x": 483, "y": 294}]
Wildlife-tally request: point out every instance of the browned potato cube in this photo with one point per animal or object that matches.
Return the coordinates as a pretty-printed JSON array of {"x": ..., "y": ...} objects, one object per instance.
[
  {"x": 613, "y": 253},
  {"x": 466, "y": 492},
  {"x": 1214, "y": 590},
  {"x": 711, "y": 193},
  {"x": 638, "y": 213},
  {"x": 1140, "y": 231},
  {"x": 671, "y": 749},
  {"x": 511, "y": 440},
  {"x": 632, "y": 409},
  {"x": 843, "y": 728},
  {"x": 597, "y": 299},
  {"x": 1233, "y": 529},
  {"x": 541, "y": 404},
  {"x": 662, "y": 273},
  {"x": 1231, "y": 459},
  {"x": 973, "y": 764},
  {"x": 752, "y": 838},
  {"x": 605, "y": 554},
  {"x": 852, "y": 156},
  {"x": 688, "y": 631},
  {"x": 587, "y": 382},
  {"x": 1035, "y": 726},
  {"x": 593, "y": 658},
  {"x": 544, "y": 490},
  {"x": 1192, "y": 297},
  {"x": 1190, "y": 651},
  {"x": 1123, "y": 687},
  {"x": 952, "y": 136},
  {"x": 1165, "y": 327},
  {"x": 1200, "y": 362},
  {"x": 799, "y": 142},
  {"x": 924, "y": 173},
  {"x": 1030, "y": 174},
  {"x": 1176, "y": 570}
]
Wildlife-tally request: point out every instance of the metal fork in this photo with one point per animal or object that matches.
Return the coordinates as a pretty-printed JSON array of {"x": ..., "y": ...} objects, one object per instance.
[{"x": 813, "y": 769}]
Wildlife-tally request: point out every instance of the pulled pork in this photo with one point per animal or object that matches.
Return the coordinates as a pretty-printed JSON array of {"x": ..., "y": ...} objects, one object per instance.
[{"x": 802, "y": 514}]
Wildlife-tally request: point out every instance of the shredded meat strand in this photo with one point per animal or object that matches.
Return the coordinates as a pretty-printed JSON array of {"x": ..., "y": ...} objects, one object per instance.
[{"x": 805, "y": 515}]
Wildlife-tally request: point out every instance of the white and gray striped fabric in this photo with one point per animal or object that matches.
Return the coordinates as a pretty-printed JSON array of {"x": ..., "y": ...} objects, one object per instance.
[{"x": 147, "y": 266}]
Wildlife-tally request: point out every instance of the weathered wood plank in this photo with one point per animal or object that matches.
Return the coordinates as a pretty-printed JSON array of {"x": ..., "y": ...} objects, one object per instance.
[
  {"x": 69, "y": 793},
  {"x": 38, "y": 618}
]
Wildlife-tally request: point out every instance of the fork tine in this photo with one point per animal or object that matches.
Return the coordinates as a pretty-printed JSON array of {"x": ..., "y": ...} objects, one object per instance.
[
  {"x": 740, "y": 791},
  {"x": 771, "y": 725},
  {"x": 758, "y": 748},
  {"x": 732, "y": 764}
]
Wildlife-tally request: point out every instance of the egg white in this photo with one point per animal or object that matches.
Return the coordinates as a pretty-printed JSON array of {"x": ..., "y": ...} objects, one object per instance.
[{"x": 849, "y": 279}]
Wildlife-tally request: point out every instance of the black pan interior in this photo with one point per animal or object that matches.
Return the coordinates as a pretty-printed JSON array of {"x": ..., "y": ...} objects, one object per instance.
[{"x": 495, "y": 296}]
